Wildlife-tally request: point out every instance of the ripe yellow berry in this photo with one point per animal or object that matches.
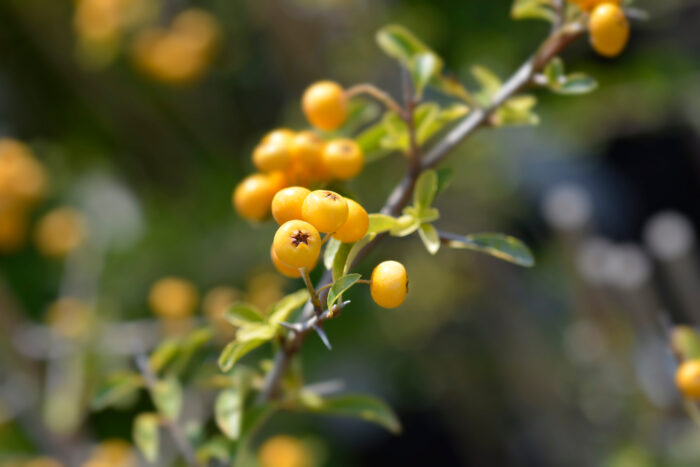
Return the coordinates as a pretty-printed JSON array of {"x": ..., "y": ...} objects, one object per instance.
[
  {"x": 285, "y": 451},
  {"x": 355, "y": 226},
  {"x": 297, "y": 244},
  {"x": 609, "y": 29},
  {"x": 269, "y": 157},
  {"x": 286, "y": 205},
  {"x": 688, "y": 378},
  {"x": 172, "y": 297},
  {"x": 60, "y": 232},
  {"x": 389, "y": 284},
  {"x": 252, "y": 197},
  {"x": 22, "y": 177},
  {"x": 343, "y": 158},
  {"x": 587, "y": 5},
  {"x": 307, "y": 151},
  {"x": 325, "y": 210},
  {"x": 282, "y": 268},
  {"x": 279, "y": 136},
  {"x": 325, "y": 105}
]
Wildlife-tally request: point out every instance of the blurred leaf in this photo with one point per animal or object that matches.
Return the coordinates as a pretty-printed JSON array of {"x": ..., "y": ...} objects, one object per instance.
[
  {"x": 255, "y": 331},
  {"x": 329, "y": 253},
  {"x": 228, "y": 411},
  {"x": 517, "y": 111},
  {"x": 400, "y": 43},
  {"x": 146, "y": 436},
  {"x": 489, "y": 83},
  {"x": 281, "y": 310},
  {"x": 396, "y": 136},
  {"x": 405, "y": 225},
  {"x": 444, "y": 179},
  {"x": 163, "y": 354},
  {"x": 430, "y": 238},
  {"x": 497, "y": 245},
  {"x": 167, "y": 397},
  {"x": 685, "y": 341},
  {"x": 117, "y": 387},
  {"x": 234, "y": 351},
  {"x": 423, "y": 216},
  {"x": 190, "y": 344},
  {"x": 340, "y": 286},
  {"x": 437, "y": 119},
  {"x": 360, "y": 112},
  {"x": 554, "y": 71},
  {"x": 341, "y": 259},
  {"x": 425, "y": 190},
  {"x": 216, "y": 450},
  {"x": 241, "y": 314},
  {"x": 424, "y": 67},
  {"x": 370, "y": 140},
  {"x": 361, "y": 406},
  {"x": 533, "y": 9},
  {"x": 577, "y": 83},
  {"x": 448, "y": 84},
  {"x": 379, "y": 223}
]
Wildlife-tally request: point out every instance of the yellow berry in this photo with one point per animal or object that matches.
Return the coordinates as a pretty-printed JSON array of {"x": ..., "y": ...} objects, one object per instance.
[
  {"x": 609, "y": 29},
  {"x": 13, "y": 227},
  {"x": 307, "y": 151},
  {"x": 355, "y": 226},
  {"x": 343, "y": 158},
  {"x": 286, "y": 205},
  {"x": 325, "y": 105},
  {"x": 325, "y": 210},
  {"x": 60, "y": 232},
  {"x": 587, "y": 5},
  {"x": 285, "y": 451},
  {"x": 282, "y": 268},
  {"x": 688, "y": 378},
  {"x": 389, "y": 284},
  {"x": 297, "y": 244},
  {"x": 173, "y": 297},
  {"x": 269, "y": 157},
  {"x": 278, "y": 136},
  {"x": 22, "y": 177},
  {"x": 252, "y": 197}
]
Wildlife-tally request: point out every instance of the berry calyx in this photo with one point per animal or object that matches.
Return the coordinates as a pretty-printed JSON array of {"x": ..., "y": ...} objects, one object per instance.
[
  {"x": 688, "y": 378},
  {"x": 286, "y": 204},
  {"x": 297, "y": 244},
  {"x": 609, "y": 29},
  {"x": 325, "y": 105},
  {"x": 389, "y": 284},
  {"x": 355, "y": 226},
  {"x": 343, "y": 158},
  {"x": 325, "y": 210}
]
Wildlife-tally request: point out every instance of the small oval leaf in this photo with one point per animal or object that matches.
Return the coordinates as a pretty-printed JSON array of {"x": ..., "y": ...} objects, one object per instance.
[
  {"x": 228, "y": 411},
  {"x": 281, "y": 310},
  {"x": 340, "y": 286},
  {"x": 430, "y": 238},
  {"x": 379, "y": 223},
  {"x": 241, "y": 314},
  {"x": 426, "y": 189},
  {"x": 116, "y": 388},
  {"x": 146, "y": 436},
  {"x": 167, "y": 397},
  {"x": 497, "y": 245},
  {"x": 234, "y": 351},
  {"x": 361, "y": 406}
]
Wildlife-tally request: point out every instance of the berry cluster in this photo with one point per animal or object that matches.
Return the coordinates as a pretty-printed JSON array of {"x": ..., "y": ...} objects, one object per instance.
[
  {"x": 608, "y": 27},
  {"x": 304, "y": 159}
]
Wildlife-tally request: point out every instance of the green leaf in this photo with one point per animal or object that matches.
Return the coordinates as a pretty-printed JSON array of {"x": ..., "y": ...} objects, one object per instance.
[
  {"x": 370, "y": 141},
  {"x": 284, "y": 308},
  {"x": 360, "y": 406},
  {"x": 379, "y": 223},
  {"x": 445, "y": 176},
  {"x": 191, "y": 343},
  {"x": 448, "y": 84},
  {"x": 217, "y": 449},
  {"x": 533, "y": 9},
  {"x": 425, "y": 190},
  {"x": 330, "y": 252},
  {"x": 340, "y": 286},
  {"x": 361, "y": 111},
  {"x": 489, "y": 82},
  {"x": 396, "y": 136},
  {"x": 241, "y": 314},
  {"x": 146, "y": 436},
  {"x": 256, "y": 331},
  {"x": 577, "y": 83},
  {"x": 424, "y": 67},
  {"x": 234, "y": 351},
  {"x": 163, "y": 354},
  {"x": 517, "y": 110},
  {"x": 400, "y": 43},
  {"x": 497, "y": 245},
  {"x": 685, "y": 342},
  {"x": 116, "y": 387},
  {"x": 341, "y": 259},
  {"x": 228, "y": 411},
  {"x": 554, "y": 71},
  {"x": 430, "y": 238},
  {"x": 405, "y": 225},
  {"x": 355, "y": 250},
  {"x": 167, "y": 397}
]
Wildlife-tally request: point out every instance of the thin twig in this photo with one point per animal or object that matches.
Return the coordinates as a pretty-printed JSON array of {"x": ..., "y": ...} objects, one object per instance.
[
  {"x": 181, "y": 441},
  {"x": 375, "y": 92},
  {"x": 313, "y": 296}
]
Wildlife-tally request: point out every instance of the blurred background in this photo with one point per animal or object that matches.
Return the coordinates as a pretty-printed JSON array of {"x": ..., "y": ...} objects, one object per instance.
[{"x": 132, "y": 143}]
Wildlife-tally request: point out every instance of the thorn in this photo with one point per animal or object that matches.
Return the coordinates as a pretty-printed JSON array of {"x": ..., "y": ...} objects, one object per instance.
[
  {"x": 324, "y": 338},
  {"x": 290, "y": 326}
]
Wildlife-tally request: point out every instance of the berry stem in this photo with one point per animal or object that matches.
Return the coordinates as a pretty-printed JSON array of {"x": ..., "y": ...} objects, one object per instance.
[
  {"x": 318, "y": 308},
  {"x": 375, "y": 92}
]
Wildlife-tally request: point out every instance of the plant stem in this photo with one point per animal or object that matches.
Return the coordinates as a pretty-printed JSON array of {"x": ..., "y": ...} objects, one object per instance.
[
  {"x": 399, "y": 197},
  {"x": 181, "y": 442},
  {"x": 375, "y": 92},
  {"x": 318, "y": 308}
]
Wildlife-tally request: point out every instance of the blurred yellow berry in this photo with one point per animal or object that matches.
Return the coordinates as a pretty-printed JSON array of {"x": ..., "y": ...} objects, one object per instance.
[
  {"x": 325, "y": 105},
  {"x": 297, "y": 244},
  {"x": 587, "y": 5},
  {"x": 355, "y": 226},
  {"x": 325, "y": 210},
  {"x": 609, "y": 29},
  {"x": 59, "y": 232},
  {"x": 252, "y": 197},
  {"x": 389, "y": 284},
  {"x": 70, "y": 317},
  {"x": 173, "y": 297},
  {"x": 286, "y": 204},
  {"x": 199, "y": 27},
  {"x": 285, "y": 451},
  {"x": 113, "y": 453},
  {"x": 268, "y": 157},
  {"x": 343, "y": 158},
  {"x": 215, "y": 303},
  {"x": 13, "y": 227},
  {"x": 307, "y": 150},
  {"x": 264, "y": 290},
  {"x": 688, "y": 378},
  {"x": 22, "y": 177},
  {"x": 282, "y": 136}
]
